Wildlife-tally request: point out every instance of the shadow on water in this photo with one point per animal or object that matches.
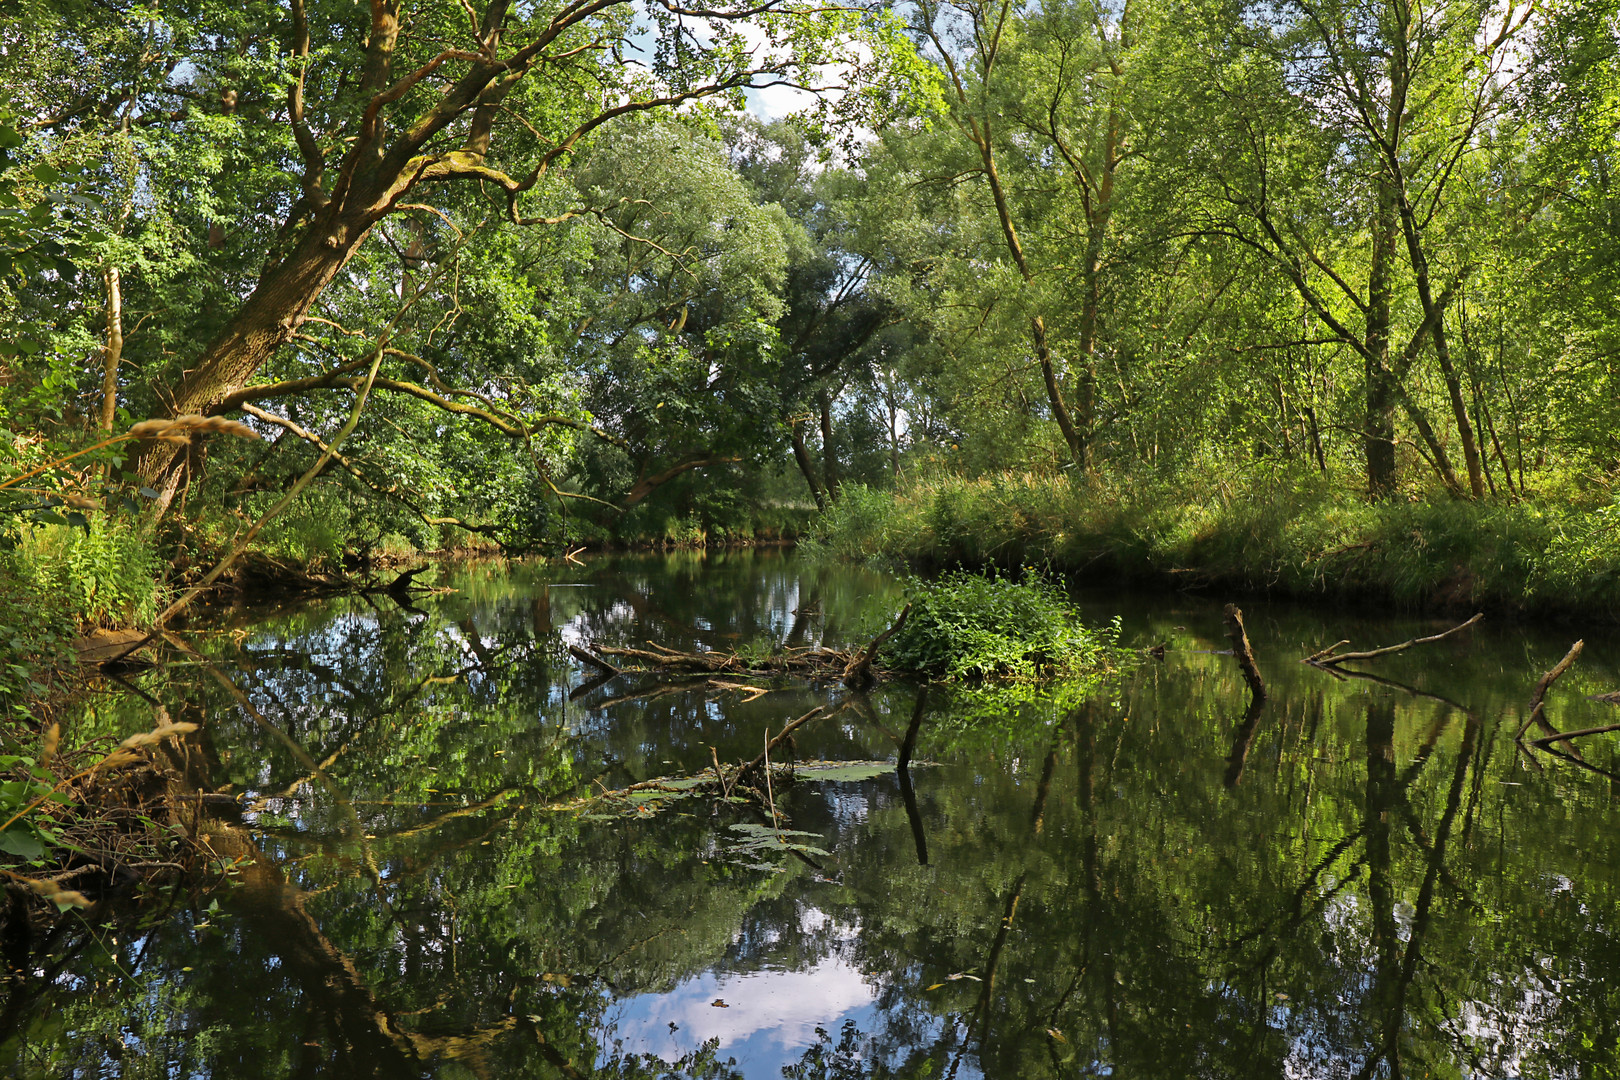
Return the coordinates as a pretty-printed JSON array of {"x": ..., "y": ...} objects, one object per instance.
[{"x": 1358, "y": 877}]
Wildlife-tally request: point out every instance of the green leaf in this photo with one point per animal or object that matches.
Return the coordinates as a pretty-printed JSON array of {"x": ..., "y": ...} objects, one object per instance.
[{"x": 21, "y": 843}]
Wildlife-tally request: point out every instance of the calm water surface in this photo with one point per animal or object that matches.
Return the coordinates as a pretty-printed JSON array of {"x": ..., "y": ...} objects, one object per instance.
[{"x": 1147, "y": 879}]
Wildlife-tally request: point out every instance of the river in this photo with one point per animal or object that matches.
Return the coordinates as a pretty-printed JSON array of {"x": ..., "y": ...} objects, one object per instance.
[{"x": 1143, "y": 878}]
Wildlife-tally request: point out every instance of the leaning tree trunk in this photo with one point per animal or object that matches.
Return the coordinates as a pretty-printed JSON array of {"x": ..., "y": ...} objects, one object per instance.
[
  {"x": 264, "y": 322},
  {"x": 801, "y": 455}
]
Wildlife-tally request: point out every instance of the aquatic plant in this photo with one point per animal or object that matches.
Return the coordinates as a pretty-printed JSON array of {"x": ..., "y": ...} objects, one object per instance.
[{"x": 967, "y": 626}]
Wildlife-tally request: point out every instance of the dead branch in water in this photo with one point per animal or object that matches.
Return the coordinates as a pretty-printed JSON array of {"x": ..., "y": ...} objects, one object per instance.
[
  {"x": 1328, "y": 656},
  {"x": 856, "y": 670},
  {"x": 1547, "y": 740},
  {"x": 607, "y": 669},
  {"x": 1537, "y": 714},
  {"x": 801, "y": 663},
  {"x": 781, "y": 736},
  {"x": 858, "y": 675},
  {"x": 1239, "y": 637}
]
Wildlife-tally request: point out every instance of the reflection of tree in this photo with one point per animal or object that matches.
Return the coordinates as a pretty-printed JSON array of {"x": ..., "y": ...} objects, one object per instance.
[{"x": 1372, "y": 897}]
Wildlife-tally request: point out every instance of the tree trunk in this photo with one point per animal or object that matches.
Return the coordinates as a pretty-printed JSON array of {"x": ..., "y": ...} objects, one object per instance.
[
  {"x": 829, "y": 454},
  {"x": 1037, "y": 325},
  {"x": 1378, "y": 431},
  {"x": 801, "y": 455},
  {"x": 113, "y": 352},
  {"x": 265, "y": 321}
]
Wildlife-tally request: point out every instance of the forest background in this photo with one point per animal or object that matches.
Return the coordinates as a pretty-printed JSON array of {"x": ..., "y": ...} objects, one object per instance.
[{"x": 1303, "y": 295}]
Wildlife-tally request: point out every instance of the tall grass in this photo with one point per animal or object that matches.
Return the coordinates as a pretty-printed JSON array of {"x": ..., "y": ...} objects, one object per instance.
[{"x": 1269, "y": 531}]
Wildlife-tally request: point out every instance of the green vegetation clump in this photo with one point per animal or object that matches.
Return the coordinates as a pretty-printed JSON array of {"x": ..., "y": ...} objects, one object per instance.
[
  {"x": 964, "y": 626},
  {"x": 36, "y": 633},
  {"x": 1277, "y": 531}
]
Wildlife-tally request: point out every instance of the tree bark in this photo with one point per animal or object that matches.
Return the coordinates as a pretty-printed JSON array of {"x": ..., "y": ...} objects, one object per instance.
[
  {"x": 1076, "y": 440},
  {"x": 829, "y": 453},
  {"x": 1378, "y": 431},
  {"x": 646, "y": 485},
  {"x": 112, "y": 353}
]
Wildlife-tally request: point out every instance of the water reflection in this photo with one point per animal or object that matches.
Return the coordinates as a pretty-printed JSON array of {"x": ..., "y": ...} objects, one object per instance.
[{"x": 1359, "y": 878}]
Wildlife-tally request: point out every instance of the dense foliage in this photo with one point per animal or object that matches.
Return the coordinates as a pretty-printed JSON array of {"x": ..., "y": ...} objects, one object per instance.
[
  {"x": 964, "y": 626},
  {"x": 1361, "y": 243}
]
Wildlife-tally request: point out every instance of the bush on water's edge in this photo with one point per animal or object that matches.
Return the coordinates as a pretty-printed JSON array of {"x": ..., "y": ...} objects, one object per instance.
[{"x": 1282, "y": 533}]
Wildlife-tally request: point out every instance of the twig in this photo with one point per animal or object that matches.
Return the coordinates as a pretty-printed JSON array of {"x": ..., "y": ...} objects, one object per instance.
[
  {"x": 1321, "y": 653},
  {"x": 719, "y": 774},
  {"x": 1538, "y": 695},
  {"x": 770, "y": 794},
  {"x": 754, "y": 692},
  {"x": 1327, "y": 656}
]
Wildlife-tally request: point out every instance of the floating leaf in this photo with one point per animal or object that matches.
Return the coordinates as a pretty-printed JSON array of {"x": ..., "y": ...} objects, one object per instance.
[{"x": 843, "y": 771}]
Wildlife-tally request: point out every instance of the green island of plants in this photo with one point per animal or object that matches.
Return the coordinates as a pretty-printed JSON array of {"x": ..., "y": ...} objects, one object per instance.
[{"x": 967, "y": 627}]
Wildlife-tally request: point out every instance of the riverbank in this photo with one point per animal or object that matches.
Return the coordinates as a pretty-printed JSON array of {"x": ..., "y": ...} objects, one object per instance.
[{"x": 1274, "y": 534}]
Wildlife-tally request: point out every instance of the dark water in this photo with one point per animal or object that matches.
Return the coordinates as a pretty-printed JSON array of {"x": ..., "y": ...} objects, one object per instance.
[{"x": 1141, "y": 880}]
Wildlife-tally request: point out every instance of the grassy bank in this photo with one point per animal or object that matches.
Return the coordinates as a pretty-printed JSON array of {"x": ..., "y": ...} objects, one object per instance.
[{"x": 1271, "y": 532}]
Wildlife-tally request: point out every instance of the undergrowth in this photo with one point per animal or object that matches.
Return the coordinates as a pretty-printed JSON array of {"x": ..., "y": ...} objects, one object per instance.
[{"x": 1270, "y": 530}]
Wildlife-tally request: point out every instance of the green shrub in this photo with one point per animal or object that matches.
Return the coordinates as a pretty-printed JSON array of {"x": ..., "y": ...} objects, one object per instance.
[{"x": 963, "y": 626}]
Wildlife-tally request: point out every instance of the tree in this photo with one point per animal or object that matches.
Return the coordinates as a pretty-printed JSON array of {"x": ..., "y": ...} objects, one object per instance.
[
  {"x": 1387, "y": 101},
  {"x": 365, "y": 112}
]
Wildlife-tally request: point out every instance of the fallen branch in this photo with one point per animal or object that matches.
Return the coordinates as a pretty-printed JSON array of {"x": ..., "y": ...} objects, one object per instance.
[
  {"x": 595, "y": 661},
  {"x": 858, "y": 674},
  {"x": 1327, "y": 656},
  {"x": 802, "y": 663},
  {"x": 1245, "y": 655},
  {"x": 1547, "y": 740},
  {"x": 774, "y": 743},
  {"x": 1537, "y": 713}
]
